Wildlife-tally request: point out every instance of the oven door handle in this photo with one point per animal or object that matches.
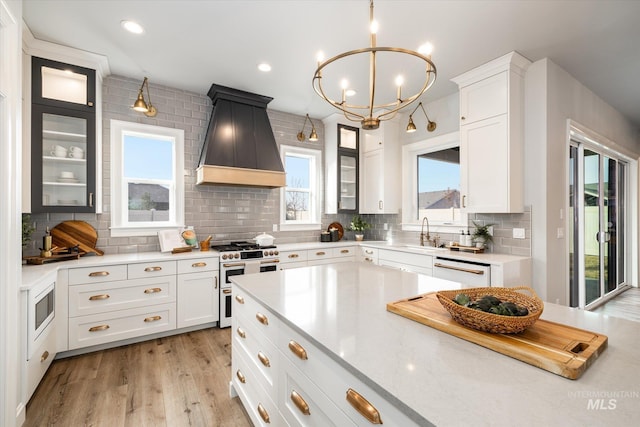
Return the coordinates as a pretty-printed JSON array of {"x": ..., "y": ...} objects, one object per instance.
[
  {"x": 235, "y": 264},
  {"x": 464, "y": 270},
  {"x": 269, "y": 261}
]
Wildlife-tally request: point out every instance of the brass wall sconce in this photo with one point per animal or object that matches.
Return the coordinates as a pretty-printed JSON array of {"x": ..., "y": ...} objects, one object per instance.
[
  {"x": 140, "y": 104},
  {"x": 411, "y": 127},
  {"x": 313, "y": 136}
]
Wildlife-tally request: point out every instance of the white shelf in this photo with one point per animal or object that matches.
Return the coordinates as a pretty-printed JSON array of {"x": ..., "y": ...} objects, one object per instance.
[
  {"x": 64, "y": 136},
  {"x": 63, "y": 159},
  {"x": 65, "y": 184}
]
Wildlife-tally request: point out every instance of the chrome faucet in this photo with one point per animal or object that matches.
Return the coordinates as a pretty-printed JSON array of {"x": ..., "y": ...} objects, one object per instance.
[{"x": 422, "y": 235}]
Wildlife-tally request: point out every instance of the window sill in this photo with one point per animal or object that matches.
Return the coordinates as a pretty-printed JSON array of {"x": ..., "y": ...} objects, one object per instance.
[
  {"x": 140, "y": 231},
  {"x": 435, "y": 228},
  {"x": 300, "y": 227}
]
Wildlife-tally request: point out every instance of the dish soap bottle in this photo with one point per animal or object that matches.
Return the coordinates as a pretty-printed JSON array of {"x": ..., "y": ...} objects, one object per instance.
[{"x": 462, "y": 239}]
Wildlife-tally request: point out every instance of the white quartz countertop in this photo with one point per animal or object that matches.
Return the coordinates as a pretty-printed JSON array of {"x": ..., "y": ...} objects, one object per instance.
[
  {"x": 440, "y": 379},
  {"x": 33, "y": 274}
]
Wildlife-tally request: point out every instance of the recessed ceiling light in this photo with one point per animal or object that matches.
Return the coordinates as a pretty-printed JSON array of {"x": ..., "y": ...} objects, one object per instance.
[
  {"x": 264, "y": 67},
  {"x": 132, "y": 27}
]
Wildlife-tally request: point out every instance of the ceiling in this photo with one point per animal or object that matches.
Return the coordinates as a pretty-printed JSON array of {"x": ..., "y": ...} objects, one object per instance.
[{"x": 190, "y": 44}]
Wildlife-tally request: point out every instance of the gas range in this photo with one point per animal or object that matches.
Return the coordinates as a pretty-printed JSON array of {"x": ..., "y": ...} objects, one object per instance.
[{"x": 245, "y": 250}]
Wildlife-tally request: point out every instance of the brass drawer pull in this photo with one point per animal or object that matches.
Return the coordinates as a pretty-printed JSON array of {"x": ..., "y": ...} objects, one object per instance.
[
  {"x": 344, "y": 251},
  {"x": 298, "y": 350},
  {"x": 300, "y": 403},
  {"x": 368, "y": 252},
  {"x": 98, "y": 297},
  {"x": 262, "y": 318},
  {"x": 241, "y": 332},
  {"x": 228, "y": 291},
  {"x": 368, "y": 259},
  {"x": 239, "y": 299},
  {"x": 152, "y": 290},
  {"x": 241, "y": 376},
  {"x": 98, "y": 274},
  {"x": 294, "y": 256},
  {"x": 152, "y": 318},
  {"x": 150, "y": 269},
  {"x": 199, "y": 264},
  {"x": 44, "y": 356},
  {"x": 98, "y": 328},
  {"x": 263, "y": 413},
  {"x": 320, "y": 253},
  {"x": 363, "y": 406},
  {"x": 264, "y": 359}
]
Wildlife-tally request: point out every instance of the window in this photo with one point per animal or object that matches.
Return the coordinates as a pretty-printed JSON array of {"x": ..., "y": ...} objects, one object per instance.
[
  {"x": 300, "y": 199},
  {"x": 147, "y": 188},
  {"x": 432, "y": 187}
]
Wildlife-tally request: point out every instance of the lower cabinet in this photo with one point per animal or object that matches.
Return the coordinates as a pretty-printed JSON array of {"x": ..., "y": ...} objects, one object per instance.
[
  {"x": 302, "y": 385},
  {"x": 415, "y": 263},
  {"x": 198, "y": 299},
  {"x": 320, "y": 256},
  {"x": 41, "y": 359}
]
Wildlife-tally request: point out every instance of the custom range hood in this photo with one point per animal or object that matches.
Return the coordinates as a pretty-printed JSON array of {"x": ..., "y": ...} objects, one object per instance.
[{"x": 239, "y": 148}]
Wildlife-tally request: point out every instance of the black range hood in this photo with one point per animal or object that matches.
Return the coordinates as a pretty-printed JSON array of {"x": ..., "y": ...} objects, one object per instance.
[{"x": 239, "y": 147}]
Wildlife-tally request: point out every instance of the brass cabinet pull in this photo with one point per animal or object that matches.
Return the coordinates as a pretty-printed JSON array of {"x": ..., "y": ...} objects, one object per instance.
[
  {"x": 91, "y": 194},
  {"x": 199, "y": 264},
  {"x": 300, "y": 403},
  {"x": 463, "y": 118},
  {"x": 98, "y": 274},
  {"x": 262, "y": 318},
  {"x": 44, "y": 356},
  {"x": 98, "y": 328},
  {"x": 152, "y": 318},
  {"x": 215, "y": 279},
  {"x": 241, "y": 332},
  {"x": 368, "y": 259},
  {"x": 320, "y": 253},
  {"x": 239, "y": 299},
  {"x": 344, "y": 251},
  {"x": 264, "y": 359},
  {"x": 241, "y": 376},
  {"x": 228, "y": 291},
  {"x": 380, "y": 204},
  {"x": 363, "y": 406},
  {"x": 298, "y": 350},
  {"x": 152, "y": 290},
  {"x": 368, "y": 251},
  {"x": 98, "y": 297},
  {"x": 263, "y": 413},
  {"x": 464, "y": 270},
  {"x": 464, "y": 198},
  {"x": 150, "y": 269},
  {"x": 294, "y": 256}
]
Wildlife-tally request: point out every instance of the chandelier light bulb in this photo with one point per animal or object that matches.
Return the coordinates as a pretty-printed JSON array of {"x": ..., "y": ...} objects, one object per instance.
[
  {"x": 374, "y": 27},
  {"x": 399, "y": 80},
  {"x": 426, "y": 49},
  {"x": 344, "y": 84},
  {"x": 320, "y": 56}
]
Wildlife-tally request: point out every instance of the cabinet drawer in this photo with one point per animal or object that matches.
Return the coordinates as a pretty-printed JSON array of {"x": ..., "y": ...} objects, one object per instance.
[
  {"x": 102, "y": 298},
  {"x": 369, "y": 255},
  {"x": 344, "y": 252},
  {"x": 292, "y": 256},
  {"x": 266, "y": 323},
  {"x": 407, "y": 258},
  {"x": 150, "y": 269},
  {"x": 197, "y": 265},
  {"x": 103, "y": 328},
  {"x": 321, "y": 253},
  {"x": 303, "y": 404},
  {"x": 43, "y": 355},
  {"x": 107, "y": 273}
]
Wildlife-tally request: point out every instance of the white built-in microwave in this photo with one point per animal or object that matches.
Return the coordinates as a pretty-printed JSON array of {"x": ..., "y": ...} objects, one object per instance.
[{"x": 41, "y": 312}]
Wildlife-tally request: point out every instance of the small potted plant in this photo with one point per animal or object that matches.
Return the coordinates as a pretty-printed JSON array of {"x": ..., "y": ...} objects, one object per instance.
[
  {"x": 481, "y": 235},
  {"x": 27, "y": 229},
  {"x": 358, "y": 225}
]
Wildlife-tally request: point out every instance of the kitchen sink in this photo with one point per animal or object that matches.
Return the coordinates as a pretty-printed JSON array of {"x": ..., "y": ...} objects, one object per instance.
[{"x": 424, "y": 248}]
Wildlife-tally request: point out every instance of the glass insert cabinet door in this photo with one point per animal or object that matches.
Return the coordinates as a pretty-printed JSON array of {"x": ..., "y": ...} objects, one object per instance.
[
  {"x": 63, "y": 160},
  {"x": 348, "y": 141},
  {"x": 62, "y": 85}
]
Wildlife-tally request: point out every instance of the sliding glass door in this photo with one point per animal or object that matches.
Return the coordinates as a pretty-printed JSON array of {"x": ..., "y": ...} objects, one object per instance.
[{"x": 597, "y": 188}]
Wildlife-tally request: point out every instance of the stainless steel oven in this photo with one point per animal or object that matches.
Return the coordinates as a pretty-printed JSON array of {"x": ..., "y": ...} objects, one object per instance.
[{"x": 241, "y": 258}]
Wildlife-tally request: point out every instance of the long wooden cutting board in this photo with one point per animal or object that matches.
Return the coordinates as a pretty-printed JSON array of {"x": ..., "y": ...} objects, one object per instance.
[
  {"x": 68, "y": 234},
  {"x": 561, "y": 349}
]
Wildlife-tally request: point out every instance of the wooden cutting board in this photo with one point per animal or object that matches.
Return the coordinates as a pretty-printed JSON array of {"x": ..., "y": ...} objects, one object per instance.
[
  {"x": 561, "y": 349},
  {"x": 67, "y": 234}
]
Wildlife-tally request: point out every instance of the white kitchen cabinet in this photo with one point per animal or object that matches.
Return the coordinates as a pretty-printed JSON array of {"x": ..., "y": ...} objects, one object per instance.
[
  {"x": 406, "y": 261},
  {"x": 198, "y": 296},
  {"x": 38, "y": 364},
  {"x": 380, "y": 165},
  {"x": 492, "y": 135},
  {"x": 368, "y": 254}
]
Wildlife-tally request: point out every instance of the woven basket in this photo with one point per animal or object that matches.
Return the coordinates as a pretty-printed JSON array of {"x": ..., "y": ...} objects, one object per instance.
[{"x": 489, "y": 322}]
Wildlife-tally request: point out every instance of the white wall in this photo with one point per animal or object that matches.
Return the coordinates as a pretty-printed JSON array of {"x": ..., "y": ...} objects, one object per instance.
[
  {"x": 444, "y": 112},
  {"x": 552, "y": 97},
  {"x": 11, "y": 405}
]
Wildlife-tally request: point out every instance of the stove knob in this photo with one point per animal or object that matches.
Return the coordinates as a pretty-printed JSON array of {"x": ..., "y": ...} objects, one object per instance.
[
  {"x": 266, "y": 253},
  {"x": 224, "y": 256},
  {"x": 236, "y": 256},
  {"x": 275, "y": 252},
  {"x": 271, "y": 253}
]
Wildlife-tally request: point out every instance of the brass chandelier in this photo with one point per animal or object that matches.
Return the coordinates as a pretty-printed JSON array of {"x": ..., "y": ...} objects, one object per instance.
[{"x": 385, "y": 110}]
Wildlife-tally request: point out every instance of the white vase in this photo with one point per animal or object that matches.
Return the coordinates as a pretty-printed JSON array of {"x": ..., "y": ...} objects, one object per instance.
[{"x": 359, "y": 237}]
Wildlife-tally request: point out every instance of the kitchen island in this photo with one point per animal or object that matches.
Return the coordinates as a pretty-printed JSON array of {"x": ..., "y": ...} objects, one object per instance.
[{"x": 337, "y": 313}]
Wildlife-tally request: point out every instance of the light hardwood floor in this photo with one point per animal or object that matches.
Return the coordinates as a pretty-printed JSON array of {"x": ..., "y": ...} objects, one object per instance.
[
  {"x": 625, "y": 305},
  {"x": 176, "y": 381}
]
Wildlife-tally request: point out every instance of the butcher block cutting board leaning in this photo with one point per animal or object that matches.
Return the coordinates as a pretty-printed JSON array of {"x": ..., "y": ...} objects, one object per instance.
[{"x": 68, "y": 234}]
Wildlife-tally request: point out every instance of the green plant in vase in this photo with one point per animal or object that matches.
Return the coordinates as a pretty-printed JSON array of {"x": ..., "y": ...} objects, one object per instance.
[
  {"x": 358, "y": 225},
  {"x": 481, "y": 235},
  {"x": 27, "y": 229}
]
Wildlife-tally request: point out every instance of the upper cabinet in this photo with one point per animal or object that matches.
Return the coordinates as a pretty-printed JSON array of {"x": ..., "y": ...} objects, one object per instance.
[
  {"x": 492, "y": 135},
  {"x": 380, "y": 166},
  {"x": 348, "y": 143},
  {"x": 63, "y": 137}
]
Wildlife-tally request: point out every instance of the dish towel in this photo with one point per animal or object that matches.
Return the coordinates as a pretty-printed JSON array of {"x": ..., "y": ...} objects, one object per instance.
[{"x": 251, "y": 267}]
